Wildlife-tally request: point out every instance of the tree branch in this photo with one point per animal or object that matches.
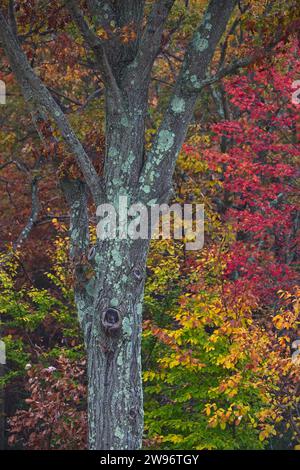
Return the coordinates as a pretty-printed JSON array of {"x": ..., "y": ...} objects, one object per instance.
[
  {"x": 35, "y": 208},
  {"x": 97, "y": 46},
  {"x": 101, "y": 11},
  {"x": 151, "y": 39},
  {"x": 20, "y": 165},
  {"x": 157, "y": 173},
  {"x": 11, "y": 16},
  {"x": 35, "y": 90}
]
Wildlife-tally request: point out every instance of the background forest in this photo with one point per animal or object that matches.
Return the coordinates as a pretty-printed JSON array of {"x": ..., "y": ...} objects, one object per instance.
[{"x": 221, "y": 326}]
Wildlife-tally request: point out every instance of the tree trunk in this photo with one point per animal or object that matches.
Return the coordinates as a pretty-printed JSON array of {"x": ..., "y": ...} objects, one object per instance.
[{"x": 113, "y": 341}]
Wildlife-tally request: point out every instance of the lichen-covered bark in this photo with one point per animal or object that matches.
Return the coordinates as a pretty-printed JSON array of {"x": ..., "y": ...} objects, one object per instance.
[
  {"x": 109, "y": 283},
  {"x": 113, "y": 341}
]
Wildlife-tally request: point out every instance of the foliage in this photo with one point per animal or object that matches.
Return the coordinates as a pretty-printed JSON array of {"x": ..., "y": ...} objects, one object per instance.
[
  {"x": 227, "y": 371},
  {"x": 220, "y": 380},
  {"x": 259, "y": 173},
  {"x": 220, "y": 351},
  {"x": 38, "y": 324},
  {"x": 56, "y": 414}
]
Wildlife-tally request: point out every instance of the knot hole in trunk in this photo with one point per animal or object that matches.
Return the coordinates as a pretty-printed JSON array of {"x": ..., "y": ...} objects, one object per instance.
[{"x": 111, "y": 319}]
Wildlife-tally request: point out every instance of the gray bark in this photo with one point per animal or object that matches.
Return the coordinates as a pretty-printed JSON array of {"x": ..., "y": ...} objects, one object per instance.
[
  {"x": 114, "y": 348},
  {"x": 109, "y": 279},
  {"x": 109, "y": 305}
]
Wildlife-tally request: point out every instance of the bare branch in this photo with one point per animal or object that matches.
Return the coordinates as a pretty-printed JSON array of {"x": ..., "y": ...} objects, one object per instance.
[
  {"x": 97, "y": 93},
  {"x": 35, "y": 207},
  {"x": 237, "y": 64},
  {"x": 228, "y": 70},
  {"x": 20, "y": 165}
]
